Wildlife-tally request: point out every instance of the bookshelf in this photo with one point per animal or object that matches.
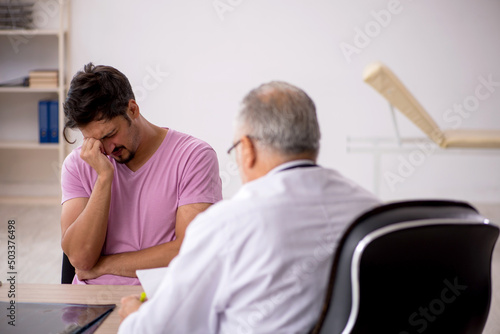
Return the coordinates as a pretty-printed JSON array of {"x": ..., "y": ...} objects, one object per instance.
[
  {"x": 30, "y": 170},
  {"x": 28, "y": 90},
  {"x": 28, "y": 145},
  {"x": 31, "y": 32}
]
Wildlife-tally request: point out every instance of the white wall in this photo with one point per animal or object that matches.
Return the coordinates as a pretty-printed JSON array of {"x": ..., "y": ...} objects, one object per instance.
[{"x": 438, "y": 49}]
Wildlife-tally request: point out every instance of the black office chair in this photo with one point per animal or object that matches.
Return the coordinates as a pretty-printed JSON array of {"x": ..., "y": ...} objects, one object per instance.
[
  {"x": 411, "y": 267},
  {"x": 68, "y": 271}
]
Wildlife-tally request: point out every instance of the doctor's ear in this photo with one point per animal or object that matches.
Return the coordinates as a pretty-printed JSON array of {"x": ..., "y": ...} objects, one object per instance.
[{"x": 248, "y": 152}]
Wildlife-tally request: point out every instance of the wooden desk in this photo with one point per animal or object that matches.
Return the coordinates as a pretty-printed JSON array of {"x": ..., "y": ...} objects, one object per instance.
[{"x": 78, "y": 294}]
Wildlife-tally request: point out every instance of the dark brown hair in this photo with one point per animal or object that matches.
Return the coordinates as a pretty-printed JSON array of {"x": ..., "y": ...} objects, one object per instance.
[{"x": 96, "y": 93}]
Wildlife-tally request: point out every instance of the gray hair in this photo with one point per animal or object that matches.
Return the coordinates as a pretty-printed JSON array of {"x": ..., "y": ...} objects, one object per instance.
[{"x": 282, "y": 117}]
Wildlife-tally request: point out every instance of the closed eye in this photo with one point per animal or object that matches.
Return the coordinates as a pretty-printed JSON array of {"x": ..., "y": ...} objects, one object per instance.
[{"x": 109, "y": 135}]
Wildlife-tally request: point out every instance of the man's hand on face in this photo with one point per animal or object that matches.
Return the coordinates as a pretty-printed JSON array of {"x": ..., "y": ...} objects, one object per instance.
[{"x": 93, "y": 153}]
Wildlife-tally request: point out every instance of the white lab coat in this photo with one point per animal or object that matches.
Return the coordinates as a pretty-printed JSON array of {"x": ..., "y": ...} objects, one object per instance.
[{"x": 259, "y": 262}]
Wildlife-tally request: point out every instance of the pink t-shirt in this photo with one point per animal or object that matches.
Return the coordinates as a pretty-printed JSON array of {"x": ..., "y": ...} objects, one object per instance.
[{"x": 184, "y": 170}]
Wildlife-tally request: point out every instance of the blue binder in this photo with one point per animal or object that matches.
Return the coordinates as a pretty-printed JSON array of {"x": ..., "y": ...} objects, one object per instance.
[
  {"x": 43, "y": 121},
  {"x": 53, "y": 121}
]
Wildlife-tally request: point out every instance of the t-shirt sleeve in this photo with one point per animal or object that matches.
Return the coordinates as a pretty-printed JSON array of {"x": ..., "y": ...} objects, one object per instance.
[
  {"x": 200, "y": 182},
  {"x": 71, "y": 183}
]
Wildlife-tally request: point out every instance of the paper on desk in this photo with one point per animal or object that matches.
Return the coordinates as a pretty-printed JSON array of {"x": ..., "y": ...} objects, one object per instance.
[{"x": 151, "y": 278}]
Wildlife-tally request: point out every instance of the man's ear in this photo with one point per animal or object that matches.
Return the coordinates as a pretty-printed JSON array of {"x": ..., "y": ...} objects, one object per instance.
[
  {"x": 133, "y": 109},
  {"x": 248, "y": 153}
]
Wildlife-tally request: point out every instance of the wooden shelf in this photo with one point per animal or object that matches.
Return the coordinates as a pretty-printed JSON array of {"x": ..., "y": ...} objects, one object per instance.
[
  {"x": 28, "y": 145},
  {"x": 28, "y": 90},
  {"x": 51, "y": 200},
  {"x": 32, "y": 32},
  {"x": 30, "y": 192}
]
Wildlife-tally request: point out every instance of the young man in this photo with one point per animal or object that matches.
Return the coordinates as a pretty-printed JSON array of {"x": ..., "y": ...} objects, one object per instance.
[
  {"x": 259, "y": 262},
  {"x": 132, "y": 188}
]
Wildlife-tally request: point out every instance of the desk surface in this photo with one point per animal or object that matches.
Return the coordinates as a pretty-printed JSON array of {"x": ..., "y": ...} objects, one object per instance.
[{"x": 79, "y": 294}]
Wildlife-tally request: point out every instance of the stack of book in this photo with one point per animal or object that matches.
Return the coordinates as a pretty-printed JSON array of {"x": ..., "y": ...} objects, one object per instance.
[
  {"x": 43, "y": 79},
  {"x": 16, "y": 15}
]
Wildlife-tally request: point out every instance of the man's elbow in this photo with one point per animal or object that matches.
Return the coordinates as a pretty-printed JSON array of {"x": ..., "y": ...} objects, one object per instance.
[
  {"x": 81, "y": 260},
  {"x": 82, "y": 264}
]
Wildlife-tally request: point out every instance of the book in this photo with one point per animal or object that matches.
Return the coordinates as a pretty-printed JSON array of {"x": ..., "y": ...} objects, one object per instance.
[
  {"x": 43, "y": 83},
  {"x": 43, "y": 80},
  {"x": 43, "y": 86},
  {"x": 53, "y": 121},
  {"x": 44, "y": 74},
  {"x": 43, "y": 121}
]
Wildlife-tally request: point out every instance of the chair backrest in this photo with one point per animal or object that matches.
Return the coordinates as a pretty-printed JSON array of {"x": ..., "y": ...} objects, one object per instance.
[
  {"x": 411, "y": 267},
  {"x": 68, "y": 271},
  {"x": 381, "y": 78}
]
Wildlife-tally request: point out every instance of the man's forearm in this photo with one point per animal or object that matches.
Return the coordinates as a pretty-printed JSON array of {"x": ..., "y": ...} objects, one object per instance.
[
  {"x": 84, "y": 239},
  {"x": 125, "y": 264}
]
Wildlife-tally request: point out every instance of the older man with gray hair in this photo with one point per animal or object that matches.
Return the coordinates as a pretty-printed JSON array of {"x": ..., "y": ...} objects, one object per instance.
[{"x": 259, "y": 262}]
